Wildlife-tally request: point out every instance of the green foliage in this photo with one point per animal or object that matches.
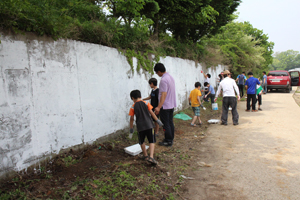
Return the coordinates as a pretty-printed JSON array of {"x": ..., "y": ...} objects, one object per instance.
[
  {"x": 144, "y": 60},
  {"x": 15, "y": 194},
  {"x": 193, "y": 19},
  {"x": 69, "y": 161},
  {"x": 189, "y": 29},
  {"x": 285, "y": 60},
  {"x": 130, "y": 10},
  {"x": 45, "y": 17},
  {"x": 243, "y": 47}
]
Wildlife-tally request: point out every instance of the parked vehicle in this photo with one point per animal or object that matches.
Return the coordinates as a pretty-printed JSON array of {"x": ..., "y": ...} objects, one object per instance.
[
  {"x": 295, "y": 75},
  {"x": 281, "y": 79}
]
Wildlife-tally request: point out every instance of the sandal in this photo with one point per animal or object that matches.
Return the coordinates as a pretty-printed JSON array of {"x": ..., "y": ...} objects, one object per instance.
[
  {"x": 193, "y": 125},
  {"x": 152, "y": 161},
  {"x": 142, "y": 157}
]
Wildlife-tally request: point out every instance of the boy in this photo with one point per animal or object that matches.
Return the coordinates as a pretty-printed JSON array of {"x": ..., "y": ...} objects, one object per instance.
[
  {"x": 211, "y": 92},
  {"x": 206, "y": 76},
  {"x": 154, "y": 100},
  {"x": 142, "y": 111},
  {"x": 240, "y": 80},
  {"x": 259, "y": 91},
  {"x": 195, "y": 102},
  {"x": 205, "y": 91}
]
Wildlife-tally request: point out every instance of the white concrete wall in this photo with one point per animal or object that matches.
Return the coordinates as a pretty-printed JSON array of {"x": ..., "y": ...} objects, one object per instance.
[{"x": 57, "y": 94}]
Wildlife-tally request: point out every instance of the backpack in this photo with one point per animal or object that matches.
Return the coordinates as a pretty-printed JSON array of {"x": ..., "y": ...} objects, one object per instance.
[{"x": 241, "y": 79}]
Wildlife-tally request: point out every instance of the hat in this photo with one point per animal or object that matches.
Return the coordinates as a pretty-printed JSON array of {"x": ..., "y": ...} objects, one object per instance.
[{"x": 226, "y": 72}]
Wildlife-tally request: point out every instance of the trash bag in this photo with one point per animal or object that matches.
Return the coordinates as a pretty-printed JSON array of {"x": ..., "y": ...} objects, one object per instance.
[{"x": 182, "y": 116}]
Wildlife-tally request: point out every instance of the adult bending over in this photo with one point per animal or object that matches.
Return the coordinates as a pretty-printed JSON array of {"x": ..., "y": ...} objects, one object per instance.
[{"x": 228, "y": 85}]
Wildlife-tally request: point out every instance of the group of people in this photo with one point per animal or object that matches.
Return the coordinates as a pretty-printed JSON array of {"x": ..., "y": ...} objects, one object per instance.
[
  {"x": 230, "y": 88},
  {"x": 163, "y": 102}
]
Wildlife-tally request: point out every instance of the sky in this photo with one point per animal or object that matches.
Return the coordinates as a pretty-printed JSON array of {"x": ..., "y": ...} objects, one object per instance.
[{"x": 279, "y": 19}]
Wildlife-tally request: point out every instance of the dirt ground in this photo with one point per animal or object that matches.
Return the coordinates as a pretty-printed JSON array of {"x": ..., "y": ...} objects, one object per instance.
[
  {"x": 258, "y": 159},
  {"x": 105, "y": 171},
  {"x": 214, "y": 162}
]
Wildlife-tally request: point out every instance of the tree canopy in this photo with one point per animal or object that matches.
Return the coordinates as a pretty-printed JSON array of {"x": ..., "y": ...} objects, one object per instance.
[
  {"x": 201, "y": 30},
  {"x": 242, "y": 47},
  {"x": 285, "y": 60}
]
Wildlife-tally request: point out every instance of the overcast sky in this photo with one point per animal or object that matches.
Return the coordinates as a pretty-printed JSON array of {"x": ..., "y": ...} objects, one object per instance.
[{"x": 280, "y": 19}]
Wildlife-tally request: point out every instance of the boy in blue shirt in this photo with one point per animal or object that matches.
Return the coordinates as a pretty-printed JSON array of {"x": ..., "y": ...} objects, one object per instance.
[
  {"x": 251, "y": 91},
  {"x": 211, "y": 92}
]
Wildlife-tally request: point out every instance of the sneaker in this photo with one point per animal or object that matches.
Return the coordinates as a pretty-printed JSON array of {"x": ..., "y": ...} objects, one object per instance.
[
  {"x": 224, "y": 123},
  {"x": 166, "y": 144},
  {"x": 260, "y": 109},
  {"x": 235, "y": 124},
  {"x": 254, "y": 110},
  {"x": 247, "y": 110}
]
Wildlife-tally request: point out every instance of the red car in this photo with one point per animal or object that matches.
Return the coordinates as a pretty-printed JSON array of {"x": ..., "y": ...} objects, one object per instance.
[{"x": 281, "y": 79}]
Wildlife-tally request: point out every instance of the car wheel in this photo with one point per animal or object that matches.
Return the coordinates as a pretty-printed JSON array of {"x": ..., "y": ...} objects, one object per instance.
[
  {"x": 288, "y": 90},
  {"x": 291, "y": 88}
]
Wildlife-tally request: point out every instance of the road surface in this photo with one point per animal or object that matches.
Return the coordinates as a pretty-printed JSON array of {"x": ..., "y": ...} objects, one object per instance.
[{"x": 258, "y": 159}]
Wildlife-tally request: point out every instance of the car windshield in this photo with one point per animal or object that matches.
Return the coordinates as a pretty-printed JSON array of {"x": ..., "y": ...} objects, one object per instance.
[{"x": 278, "y": 74}]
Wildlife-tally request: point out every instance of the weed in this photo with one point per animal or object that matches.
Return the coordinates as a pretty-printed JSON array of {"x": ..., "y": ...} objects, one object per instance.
[
  {"x": 93, "y": 168},
  {"x": 48, "y": 176},
  {"x": 171, "y": 197},
  {"x": 183, "y": 157},
  {"x": 69, "y": 161}
]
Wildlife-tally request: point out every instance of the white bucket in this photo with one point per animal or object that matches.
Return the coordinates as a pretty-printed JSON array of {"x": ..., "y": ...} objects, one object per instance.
[{"x": 214, "y": 106}]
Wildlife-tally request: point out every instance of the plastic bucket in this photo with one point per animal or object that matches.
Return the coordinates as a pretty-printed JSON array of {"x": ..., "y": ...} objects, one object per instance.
[{"x": 214, "y": 106}]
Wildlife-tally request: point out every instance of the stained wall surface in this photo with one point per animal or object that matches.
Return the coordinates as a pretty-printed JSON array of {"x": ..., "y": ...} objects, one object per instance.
[{"x": 57, "y": 94}]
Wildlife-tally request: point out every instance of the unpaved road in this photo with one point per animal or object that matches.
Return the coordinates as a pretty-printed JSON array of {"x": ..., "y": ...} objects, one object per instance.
[{"x": 258, "y": 159}]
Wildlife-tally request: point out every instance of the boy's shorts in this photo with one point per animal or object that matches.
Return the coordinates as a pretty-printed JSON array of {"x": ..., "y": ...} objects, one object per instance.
[
  {"x": 196, "y": 111},
  {"x": 150, "y": 135}
]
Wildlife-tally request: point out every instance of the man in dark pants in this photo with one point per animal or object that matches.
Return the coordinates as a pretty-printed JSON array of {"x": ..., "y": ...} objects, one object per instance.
[
  {"x": 251, "y": 91},
  {"x": 167, "y": 103},
  {"x": 228, "y": 85}
]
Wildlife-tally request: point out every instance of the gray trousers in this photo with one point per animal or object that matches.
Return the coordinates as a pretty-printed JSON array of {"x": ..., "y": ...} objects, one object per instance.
[{"x": 232, "y": 102}]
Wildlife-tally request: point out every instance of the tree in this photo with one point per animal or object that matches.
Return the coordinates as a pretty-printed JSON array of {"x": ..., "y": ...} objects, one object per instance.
[
  {"x": 243, "y": 48},
  {"x": 263, "y": 42},
  {"x": 285, "y": 60},
  {"x": 128, "y": 10},
  {"x": 190, "y": 20}
]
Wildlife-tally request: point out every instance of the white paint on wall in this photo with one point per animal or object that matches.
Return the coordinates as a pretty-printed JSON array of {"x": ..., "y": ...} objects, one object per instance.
[{"x": 57, "y": 94}]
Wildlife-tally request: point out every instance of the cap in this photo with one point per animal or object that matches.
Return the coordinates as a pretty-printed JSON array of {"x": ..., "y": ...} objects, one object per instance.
[{"x": 226, "y": 72}]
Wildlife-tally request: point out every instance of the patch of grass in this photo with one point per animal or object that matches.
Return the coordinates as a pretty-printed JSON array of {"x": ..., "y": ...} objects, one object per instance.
[
  {"x": 69, "y": 161},
  {"x": 14, "y": 194}
]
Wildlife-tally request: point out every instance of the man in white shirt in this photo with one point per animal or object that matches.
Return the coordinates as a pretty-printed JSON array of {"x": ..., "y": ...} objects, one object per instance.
[{"x": 228, "y": 85}]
